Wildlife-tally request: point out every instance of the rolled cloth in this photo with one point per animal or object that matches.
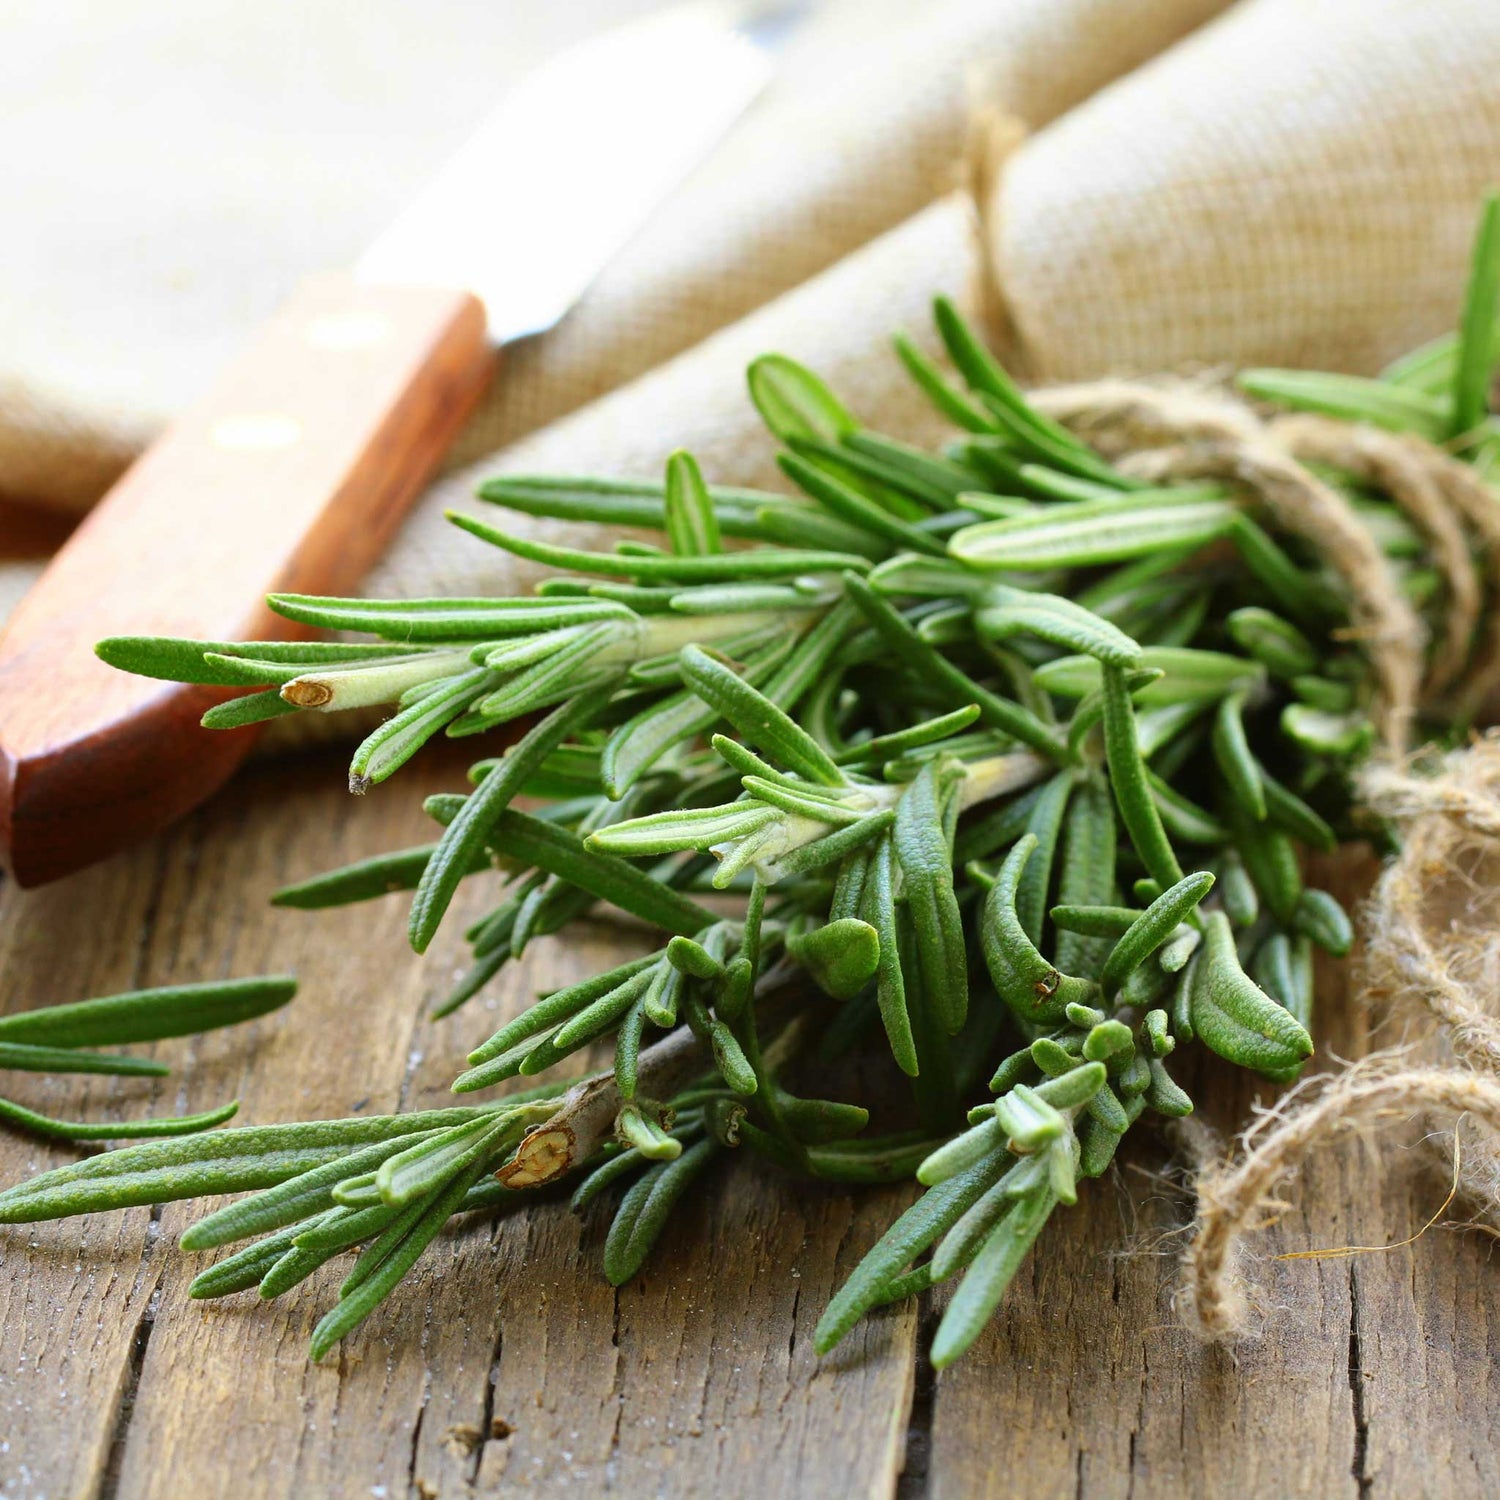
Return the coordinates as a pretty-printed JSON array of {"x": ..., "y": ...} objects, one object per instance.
[
  {"x": 1293, "y": 183},
  {"x": 862, "y": 125}
]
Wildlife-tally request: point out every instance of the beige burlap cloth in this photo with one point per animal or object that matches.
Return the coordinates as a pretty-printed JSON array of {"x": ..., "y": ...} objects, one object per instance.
[
  {"x": 1293, "y": 183},
  {"x": 864, "y": 124}
]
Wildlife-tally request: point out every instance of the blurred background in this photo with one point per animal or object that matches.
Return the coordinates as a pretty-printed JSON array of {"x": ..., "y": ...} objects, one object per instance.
[{"x": 170, "y": 169}]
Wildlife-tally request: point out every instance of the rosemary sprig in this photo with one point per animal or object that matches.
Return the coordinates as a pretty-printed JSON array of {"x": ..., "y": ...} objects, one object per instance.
[{"x": 998, "y": 750}]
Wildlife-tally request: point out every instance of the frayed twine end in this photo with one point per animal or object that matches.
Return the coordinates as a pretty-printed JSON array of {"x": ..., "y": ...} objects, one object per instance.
[
  {"x": 1449, "y": 818},
  {"x": 1235, "y": 1198}
]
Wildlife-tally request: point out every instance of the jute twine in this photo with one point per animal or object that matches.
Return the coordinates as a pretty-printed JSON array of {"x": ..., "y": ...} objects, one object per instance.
[{"x": 1445, "y": 807}]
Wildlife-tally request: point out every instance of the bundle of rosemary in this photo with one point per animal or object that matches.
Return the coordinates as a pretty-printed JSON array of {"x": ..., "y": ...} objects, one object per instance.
[{"x": 1006, "y": 752}]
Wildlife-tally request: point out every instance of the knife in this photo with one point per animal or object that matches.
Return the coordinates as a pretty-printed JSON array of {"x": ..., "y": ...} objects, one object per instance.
[{"x": 293, "y": 471}]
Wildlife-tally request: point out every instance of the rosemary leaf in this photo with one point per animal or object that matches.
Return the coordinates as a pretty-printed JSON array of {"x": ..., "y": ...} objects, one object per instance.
[
  {"x": 466, "y": 837},
  {"x": 149, "y": 1015}
]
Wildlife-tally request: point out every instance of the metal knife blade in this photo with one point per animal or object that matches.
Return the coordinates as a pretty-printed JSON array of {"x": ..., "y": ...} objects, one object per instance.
[{"x": 572, "y": 162}]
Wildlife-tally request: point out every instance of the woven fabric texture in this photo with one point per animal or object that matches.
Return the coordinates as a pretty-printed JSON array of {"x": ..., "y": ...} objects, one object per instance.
[{"x": 1296, "y": 183}]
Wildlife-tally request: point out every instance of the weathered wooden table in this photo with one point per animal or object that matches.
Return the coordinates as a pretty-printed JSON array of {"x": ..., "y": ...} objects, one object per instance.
[{"x": 508, "y": 1363}]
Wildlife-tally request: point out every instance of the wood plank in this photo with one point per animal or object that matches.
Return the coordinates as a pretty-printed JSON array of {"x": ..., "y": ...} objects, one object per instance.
[
  {"x": 700, "y": 1372},
  {"x": 507, "y": 1363},
  {"x": 1086, "y": 1384},
  {"x": 1425, "y": 1353},
  {"x": 239, "y": 1368},
  {"x": 75, "y": 1297}
]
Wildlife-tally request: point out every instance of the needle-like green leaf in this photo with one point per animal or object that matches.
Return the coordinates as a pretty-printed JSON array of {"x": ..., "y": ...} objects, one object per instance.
[
  {"x": 793, "y": 402},
  {"x": 1090, "y": 532},
  {"x": 1475, "y": 366},
  {"x": 469, "y": 832},
  {"x": 692, "y": 527},
  {"x": 646, "y": 1207},
  {"x": 112, "y": 1130},
  {"x": 762, "y": 562},
  {"x": 1127, "y": 773},
  {"x": 925, "y": 857},
  {"x": 1009, "y": 612},
  {"x": 1152, "y": 928},
  {"x": 149, "y": 1015},
  {"x": 757, "y": 718}
]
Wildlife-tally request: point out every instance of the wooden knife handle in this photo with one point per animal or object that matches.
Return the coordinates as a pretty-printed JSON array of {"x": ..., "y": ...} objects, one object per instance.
[{"x": 291, "y": 475}]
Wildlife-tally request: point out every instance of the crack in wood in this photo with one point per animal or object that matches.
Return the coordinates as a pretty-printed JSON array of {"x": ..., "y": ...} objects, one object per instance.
[
  {"x": 1360, "y": 1467},
  {"x": 914, "y": 1482},
  {"x": 130, "y": 1384},
  {"x": 415, "y": 1486},
  {"x": 616, "y": 1391},
  {"x": 487, "y": 1428},
  {"x": 1138, "y": 1426}
]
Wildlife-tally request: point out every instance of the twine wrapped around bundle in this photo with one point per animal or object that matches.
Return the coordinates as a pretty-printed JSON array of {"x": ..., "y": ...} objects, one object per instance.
[{"x": 1445, "y": 808}]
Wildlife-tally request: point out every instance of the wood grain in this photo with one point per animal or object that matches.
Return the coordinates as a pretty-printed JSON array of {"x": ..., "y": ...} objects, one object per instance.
[
  {"x": 291, "y": 474},
  {"x": 508, "y": 1365}
]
